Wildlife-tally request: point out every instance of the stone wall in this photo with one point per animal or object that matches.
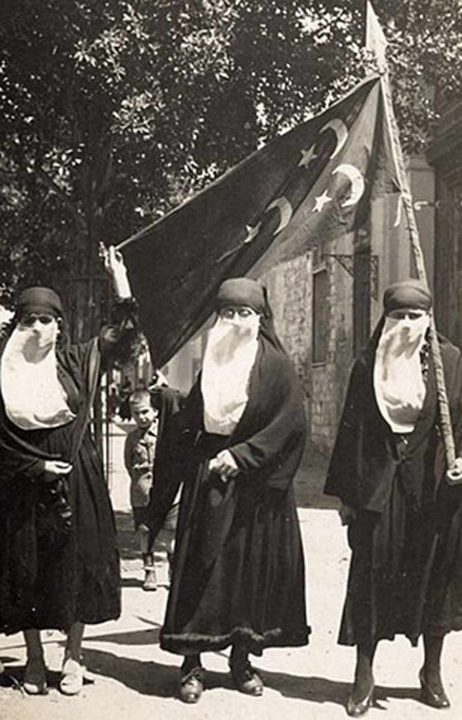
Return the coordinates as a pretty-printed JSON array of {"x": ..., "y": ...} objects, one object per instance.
[
  {"x": 289, "y": 291},
  {"x": 329, "y": 378}
]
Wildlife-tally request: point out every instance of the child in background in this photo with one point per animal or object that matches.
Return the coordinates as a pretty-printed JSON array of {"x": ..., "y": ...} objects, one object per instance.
[{"x": 140, "y": 449}]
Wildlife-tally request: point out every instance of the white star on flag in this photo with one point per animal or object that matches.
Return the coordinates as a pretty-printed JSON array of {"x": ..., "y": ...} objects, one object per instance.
[
  {"x": 252, "y": 232},
  {"x": 307, "y": 156},
  {"x": 320, "y": 201}
]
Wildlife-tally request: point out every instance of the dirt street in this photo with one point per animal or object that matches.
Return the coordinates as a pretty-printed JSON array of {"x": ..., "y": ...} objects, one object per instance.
[{"x": 130, "y": 677}]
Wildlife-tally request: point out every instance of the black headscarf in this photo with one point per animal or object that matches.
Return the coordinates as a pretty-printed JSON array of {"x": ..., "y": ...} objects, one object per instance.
[
  {"x": 250, "y": 293},
  {"x": 409, "y": 293},
  {"x": 39, "y": 299}
]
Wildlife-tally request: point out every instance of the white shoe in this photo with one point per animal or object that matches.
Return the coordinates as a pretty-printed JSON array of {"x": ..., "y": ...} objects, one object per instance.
[{"x": 71, "y": 681}]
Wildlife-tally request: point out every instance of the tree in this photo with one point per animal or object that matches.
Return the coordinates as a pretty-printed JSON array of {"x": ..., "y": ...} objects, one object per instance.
[
  {"x": 114, "y": 111},
  {"x": 425, "y": 57}
]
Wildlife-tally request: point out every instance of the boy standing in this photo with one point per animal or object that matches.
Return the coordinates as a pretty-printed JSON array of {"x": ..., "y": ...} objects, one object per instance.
[{"x": 140, "y": 449}]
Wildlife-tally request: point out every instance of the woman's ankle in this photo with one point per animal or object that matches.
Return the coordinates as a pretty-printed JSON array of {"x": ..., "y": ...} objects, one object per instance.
[
  {"x": 34, "y": 647},
  {"x": 190, "y": 662},
  {"x": 239, "y": 657},
  {"x": 35, "y": 657}
]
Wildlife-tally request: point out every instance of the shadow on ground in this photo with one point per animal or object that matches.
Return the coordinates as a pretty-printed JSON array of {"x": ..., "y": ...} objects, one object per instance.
[
  {"x": 149, "y": 636},
  {"x": 321, "y": 690},
  {"x": 155, "y": 679}
]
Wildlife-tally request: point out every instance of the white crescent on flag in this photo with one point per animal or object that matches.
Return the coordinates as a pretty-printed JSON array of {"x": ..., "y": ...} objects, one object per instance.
[
  {"x": 285, "y": 209},
  {"x": 357, "y": 182}
]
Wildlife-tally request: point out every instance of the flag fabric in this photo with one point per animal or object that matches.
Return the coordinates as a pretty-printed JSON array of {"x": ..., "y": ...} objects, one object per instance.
[
  {"x": 376, "y": 41},
  {"x": 304, "y": 188}
]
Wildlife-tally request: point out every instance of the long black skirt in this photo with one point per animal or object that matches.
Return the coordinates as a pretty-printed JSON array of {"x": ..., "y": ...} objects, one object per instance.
[
  {"x": 406, "y": 570},
  {"x": 238, "y": 570},
  {"x": 50, "y": 578}
]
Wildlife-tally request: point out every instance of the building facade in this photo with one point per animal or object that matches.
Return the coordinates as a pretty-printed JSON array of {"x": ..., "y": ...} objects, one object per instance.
[{"x": 445, "y": 154}]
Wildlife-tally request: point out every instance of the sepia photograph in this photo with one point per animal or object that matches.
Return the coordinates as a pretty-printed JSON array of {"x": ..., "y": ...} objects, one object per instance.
[{"x": 230, "y": 359}]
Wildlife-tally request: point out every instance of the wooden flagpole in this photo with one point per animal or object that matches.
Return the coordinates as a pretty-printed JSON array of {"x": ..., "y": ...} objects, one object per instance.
[{"x": 454, "y": 476}]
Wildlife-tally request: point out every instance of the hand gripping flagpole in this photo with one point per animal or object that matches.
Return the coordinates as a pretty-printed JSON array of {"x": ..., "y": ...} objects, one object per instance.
[{"x": 453, "y": 475}]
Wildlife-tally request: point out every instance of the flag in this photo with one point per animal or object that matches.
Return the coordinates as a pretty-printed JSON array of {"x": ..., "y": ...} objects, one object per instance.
[
  {"x": 376, "y": 41},
  {"x": 304, "y": 188}
]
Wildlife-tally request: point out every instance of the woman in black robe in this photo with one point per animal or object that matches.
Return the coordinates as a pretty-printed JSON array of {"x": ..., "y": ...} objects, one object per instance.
[
  {"x": 238, "y": 570},
  {"x": 59, "y": 565},
  {"x": 404, "y": 520}
]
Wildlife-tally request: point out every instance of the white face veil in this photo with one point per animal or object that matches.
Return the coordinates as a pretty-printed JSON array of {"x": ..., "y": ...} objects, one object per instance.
[
  {"x": 230, "y": 354},
  {"x": 33, "y": 396},
  {"x": 399, "y": 385}
]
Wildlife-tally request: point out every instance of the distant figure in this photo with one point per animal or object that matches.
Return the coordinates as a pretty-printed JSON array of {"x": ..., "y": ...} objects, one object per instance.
[
  {"x": 112, "y": 401},
  {"x": 404, "y": 519},
  {"x": 124, "y": 395},
  {"x": 149, "y": 413}
]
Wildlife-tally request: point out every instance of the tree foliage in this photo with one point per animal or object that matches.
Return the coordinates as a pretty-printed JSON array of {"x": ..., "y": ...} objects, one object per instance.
[{"x": 114, "y": 111}]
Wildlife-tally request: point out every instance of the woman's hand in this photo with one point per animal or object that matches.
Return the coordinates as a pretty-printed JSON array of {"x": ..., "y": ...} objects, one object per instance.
[
  {"x": 57, "y": 467},
  {"x": 347, "y": 514},
  {"x": 225, "y": 465},
  {"x": 114, "y": 264},
  {"x": 454, "y": 474},
  {"x": 457, "y": 465}
]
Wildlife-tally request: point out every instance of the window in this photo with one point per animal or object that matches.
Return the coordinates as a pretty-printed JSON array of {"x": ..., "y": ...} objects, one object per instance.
[{"x": 320, "y": 315}]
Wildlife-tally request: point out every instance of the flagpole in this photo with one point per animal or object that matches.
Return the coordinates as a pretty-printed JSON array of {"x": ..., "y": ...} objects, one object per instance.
[{"x": 453, "y": 476}]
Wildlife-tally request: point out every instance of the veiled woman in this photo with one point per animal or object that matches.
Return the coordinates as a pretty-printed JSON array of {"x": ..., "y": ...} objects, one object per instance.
[
  {"x": 404, "y": 520},
  {"x": 59, "y": 565},
  {"x": 238, "y": 573}
]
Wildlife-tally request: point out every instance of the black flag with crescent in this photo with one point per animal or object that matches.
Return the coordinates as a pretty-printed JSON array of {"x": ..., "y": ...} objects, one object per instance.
[{"x": 306, "y": 187}]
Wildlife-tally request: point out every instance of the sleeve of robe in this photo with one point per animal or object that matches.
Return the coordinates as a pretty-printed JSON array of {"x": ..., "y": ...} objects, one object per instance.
[
  {"x": 14, "y": 462},
  {"x": 343, "y": 467},
  {"x": 453, "y": 376},
  {"x": 178, "y": 426},
  {"x": 455, "y": 395},
  {"x": 119, "y": 341},
  {"x": 273, "y": 448}
]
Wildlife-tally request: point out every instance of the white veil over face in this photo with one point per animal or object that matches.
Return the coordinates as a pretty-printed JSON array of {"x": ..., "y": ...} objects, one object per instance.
[
  {"x": 399, "y": 385},
  {"x": 230, "y": 354},
  {"x": 32, "y": 393}
]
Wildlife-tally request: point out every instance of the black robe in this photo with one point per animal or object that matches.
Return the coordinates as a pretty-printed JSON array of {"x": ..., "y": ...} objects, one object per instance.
[
  {"x": 55, "y": 573},
  {"x": 238, "y": 573},
  {"x": 406, "y": 566}
]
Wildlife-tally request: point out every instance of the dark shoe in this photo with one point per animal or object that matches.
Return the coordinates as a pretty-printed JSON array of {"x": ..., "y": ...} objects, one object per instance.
[
  {"x": 192, "y": 685},
  {"x": 356, "y": 709},
  {"x": 150, "y": 580},
  {"x": 430, "y": 695},
  {"x": 247, "y": 680}
]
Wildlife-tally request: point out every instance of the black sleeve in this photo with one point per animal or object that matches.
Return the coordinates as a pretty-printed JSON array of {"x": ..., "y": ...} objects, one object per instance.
[
  {"x": 120, "y": 341},
  {"x": 342, "y": 471},
  {"x": 274, "y": 448}
]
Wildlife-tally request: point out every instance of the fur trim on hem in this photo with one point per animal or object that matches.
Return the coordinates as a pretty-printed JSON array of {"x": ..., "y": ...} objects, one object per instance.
[{"x": 255, "y": 643}]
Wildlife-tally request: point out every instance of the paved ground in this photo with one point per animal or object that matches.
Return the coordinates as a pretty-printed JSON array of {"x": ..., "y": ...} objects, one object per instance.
[{"x": 133, "y": 678}]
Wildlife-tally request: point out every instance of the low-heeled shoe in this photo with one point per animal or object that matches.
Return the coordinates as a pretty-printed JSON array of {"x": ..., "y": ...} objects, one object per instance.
[
  {"x": 357, "y": 709},
  {"x": 191, "y": 686},
  {"x": 247, "y": 680}
]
